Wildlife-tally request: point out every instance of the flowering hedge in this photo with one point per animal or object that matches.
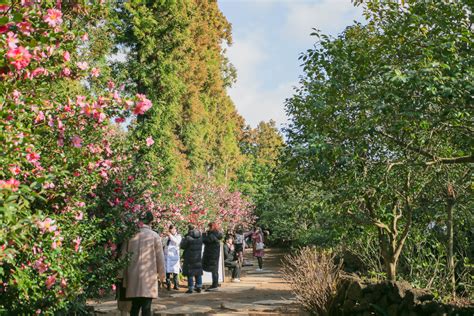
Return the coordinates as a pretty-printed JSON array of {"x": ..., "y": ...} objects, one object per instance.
[
  {"x": 56, "y": 149},
  {"x": 70, "y": 186}
]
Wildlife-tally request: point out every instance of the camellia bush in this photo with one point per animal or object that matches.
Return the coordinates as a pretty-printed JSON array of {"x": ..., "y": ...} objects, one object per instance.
[
  {"x": 204, "y": 202},
  {"x": 56, "y": 149}
]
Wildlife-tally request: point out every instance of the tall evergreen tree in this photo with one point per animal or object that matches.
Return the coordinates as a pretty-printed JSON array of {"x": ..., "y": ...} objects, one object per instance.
[{"x": 175, "y": 57}]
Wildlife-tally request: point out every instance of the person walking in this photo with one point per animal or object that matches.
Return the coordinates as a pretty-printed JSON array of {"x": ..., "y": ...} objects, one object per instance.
[
  {"x": 212, "y": 251},
  {"x": 172, "y": 257},
  {"x": 192, "y": 265},
  {"x": 239, "y": 244},
  {"x": 231, "y": 259},
  {"x": 258, "y": 246},
  {"x": 147, "y": 263}
]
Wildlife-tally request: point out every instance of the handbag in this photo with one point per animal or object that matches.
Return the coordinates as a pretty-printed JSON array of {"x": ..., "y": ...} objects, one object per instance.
[
  {"x": 121, "y": 291},
  {"x": 259, "y": 246}
]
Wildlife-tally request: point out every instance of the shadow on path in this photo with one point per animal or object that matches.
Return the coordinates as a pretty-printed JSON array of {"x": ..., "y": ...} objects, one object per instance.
[{"x": 258, "y": 293}]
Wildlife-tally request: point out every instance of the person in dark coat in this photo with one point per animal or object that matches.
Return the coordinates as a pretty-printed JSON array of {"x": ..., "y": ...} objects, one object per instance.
[
  {"x": 231, "y": 258},
  {"x": 212, "y": 251},
  {"x": 192, "y": 266}
]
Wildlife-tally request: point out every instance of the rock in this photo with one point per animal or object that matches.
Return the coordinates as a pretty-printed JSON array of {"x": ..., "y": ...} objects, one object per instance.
[
  {"x": 414, "y": 297},
  {"x": 354, "y": 291},
  {"x": 392, "y": 310},
  {"x": 347, "y": 306},
  {"x": 275, "y": 302},
  {"x": 397, "y": 291},
  {"x": 429, "y": 307},
  {"x": 185, "y": 310},
  {"x": 241, "y": 307},
  {"x": 362, "y": 305},
  {"x": 157, "y": 307}
]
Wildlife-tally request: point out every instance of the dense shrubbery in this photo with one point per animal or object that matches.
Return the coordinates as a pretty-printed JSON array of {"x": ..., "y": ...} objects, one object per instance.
[
  {"x": 379, "y": 145},
  {"x": 73, "y": 182},
  {"x": 56, "y": 149}
]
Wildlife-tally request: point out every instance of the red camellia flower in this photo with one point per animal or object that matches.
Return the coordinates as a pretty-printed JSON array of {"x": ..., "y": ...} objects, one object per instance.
[
  {"x": 53, "y": 17},
  {"x": 50, "y": 281},
  {"x": 33, "y": 157},
  {"x": 25, "y": 27},
  {"x": 20, "y": 57}
]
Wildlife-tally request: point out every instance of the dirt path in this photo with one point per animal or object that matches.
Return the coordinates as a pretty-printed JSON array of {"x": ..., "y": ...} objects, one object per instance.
[{"x": 259, "y": 293}]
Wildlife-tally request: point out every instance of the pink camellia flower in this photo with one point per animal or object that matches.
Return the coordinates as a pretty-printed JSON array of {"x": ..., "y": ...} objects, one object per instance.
[
  {"x": 66, "y": 56},
  {"x": 4, "y": 7},
  {"x": 56, "y": 243},
  {"x": 39, "y": 117},
  {"x": 114, "y": 287},
  {"x": 25, "y": 27},
  {"x": 82, "y": 65},
  {"x": 40, "y": 266},
  {"x": 32, "y": 157},
  {"x": 77, "y": 243},
  {"x": 95, "y": 72},
  {"x": 27, "y": 3},
  {"x": 14, "y": 169},
  {"x": 110, "y": 85},
  {"x": 79, "y": 216},
  {"x": 12, "y": 40},
  {"x": 113, "y": 246},
  {"x": 46, "y": 225},
  {"x": 20, "y": 57},
  {"x": 11, "y": 184},
  {"x": 100, "y": 116},
  {"x": 142, "y": 105},
  {"x": 66, "y": 72},
  {"x": 50, "y": 281},
  {"x": 119, "y": 120},
  {"x": 76, "y": 141},
  {"x": 48, "y": 185},
  {"x": 149, "y": 141},
  {"x": 38, "y": 71},
  {"x": 53, "y": 17}
]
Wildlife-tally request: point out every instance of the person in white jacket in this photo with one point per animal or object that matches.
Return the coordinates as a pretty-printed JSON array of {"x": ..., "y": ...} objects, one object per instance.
[{"x": 172, "y": 257}]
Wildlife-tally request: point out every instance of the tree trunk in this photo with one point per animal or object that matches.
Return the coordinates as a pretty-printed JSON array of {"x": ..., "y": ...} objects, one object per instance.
[
  {"x": 450, "y": 244},
  {"x": 391, "y": 268}
]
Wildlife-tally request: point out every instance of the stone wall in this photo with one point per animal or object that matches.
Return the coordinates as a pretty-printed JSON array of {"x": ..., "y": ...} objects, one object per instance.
[{"x": 361, "y": 298}]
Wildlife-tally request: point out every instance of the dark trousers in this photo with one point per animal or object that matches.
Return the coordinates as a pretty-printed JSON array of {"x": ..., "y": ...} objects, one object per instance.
[
  {"x": 215, "y": 279},
  {"x": 197, "y": 278},
  {"x": 143, "y": 303},
  {"x": 235, "y": 267},
  {"x": 175, "y": 280},
  {"x": 260, "y": 262}
]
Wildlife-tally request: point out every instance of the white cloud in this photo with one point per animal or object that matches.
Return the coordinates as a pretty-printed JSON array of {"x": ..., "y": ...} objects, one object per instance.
[
  {"x": 329, "y": 16},
  {"x": 253, "y": 101}
]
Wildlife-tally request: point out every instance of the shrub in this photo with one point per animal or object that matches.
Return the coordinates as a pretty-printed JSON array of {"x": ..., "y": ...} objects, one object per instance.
[{"x": 314, "y": 278}]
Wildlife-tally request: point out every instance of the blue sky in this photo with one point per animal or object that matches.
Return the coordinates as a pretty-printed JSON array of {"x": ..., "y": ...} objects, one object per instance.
[{"x": 268, "y": 38}]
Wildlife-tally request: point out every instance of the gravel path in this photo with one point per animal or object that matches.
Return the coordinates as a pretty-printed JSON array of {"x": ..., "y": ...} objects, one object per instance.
[{"x": 259, "y": 293}]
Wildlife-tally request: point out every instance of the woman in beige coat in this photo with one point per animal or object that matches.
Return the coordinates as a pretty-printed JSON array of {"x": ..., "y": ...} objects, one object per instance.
[{"x": 146, "y": 264}]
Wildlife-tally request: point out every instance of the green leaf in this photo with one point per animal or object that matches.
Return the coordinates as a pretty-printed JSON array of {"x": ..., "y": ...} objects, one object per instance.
[{"x": 3, "y": 20}]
